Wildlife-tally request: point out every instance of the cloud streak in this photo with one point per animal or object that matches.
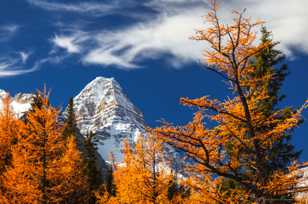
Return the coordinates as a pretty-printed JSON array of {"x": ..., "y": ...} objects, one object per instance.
[
  {"x": 83, "y": 7},
  {"x": 24, "y": 56},
  {"x": 92, "y": 8},
  {"x": 66, "y": 42},
  {"x": 8, "y": 31},
  {"x": 165, "y": 35},
  {"x": 12, "y": 67},
  {"x": 16, "y": 64}
]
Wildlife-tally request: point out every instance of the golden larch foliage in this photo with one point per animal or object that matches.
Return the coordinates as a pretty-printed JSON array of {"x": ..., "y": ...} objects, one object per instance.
[
  {"x": 141, "y": 177},
  {"x": 9, "y": 127},
  {"x": 43, "y": 169}
]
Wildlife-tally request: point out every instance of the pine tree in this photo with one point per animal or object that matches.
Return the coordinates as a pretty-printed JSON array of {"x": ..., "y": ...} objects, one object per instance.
[
  {"x": 41, "y": 161},
  {"x": 91, "y": 161},
  {"x": 249, "y": 145},
  {"x": 109, "y": 182},
  {"x": 70, "y": 124}
]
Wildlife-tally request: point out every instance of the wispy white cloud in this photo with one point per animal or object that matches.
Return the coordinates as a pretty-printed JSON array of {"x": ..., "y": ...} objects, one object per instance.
[
  {"x": 16, "y": 64},
  {"x": 105, "y": 57},
  {"x": 148, "y": 40},
  {"x": 73, "y": 43},
  {"x": 12, "y": 67},
  {"x": 66, "y": 42},
  {"x": 11, "y": 28},
  {"x": 8, "y": 31},
  {"x": 24, "y": 56},
  {"x": 170, "y": 30},
  {"x": 10, "y": 73},
  {"x": 97, "y": 8}
]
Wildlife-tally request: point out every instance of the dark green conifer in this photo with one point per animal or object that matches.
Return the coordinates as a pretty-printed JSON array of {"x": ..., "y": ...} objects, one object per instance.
[
  {"x": 270, "y": 61},
  {"x": 91, "y": 161},
  {"x": 282, "y": 153},
  {"x": 70, "y": 125}
]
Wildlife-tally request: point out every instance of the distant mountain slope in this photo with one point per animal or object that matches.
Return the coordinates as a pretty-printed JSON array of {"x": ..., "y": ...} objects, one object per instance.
[{"x": 20, "y": 104}]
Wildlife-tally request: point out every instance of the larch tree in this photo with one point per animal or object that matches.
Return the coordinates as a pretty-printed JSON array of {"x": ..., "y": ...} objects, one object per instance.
[
  {"x": 247, "y": 142},
  {"x": 68, "y": 176},
  {"x": 8, "y": 133},
  {"x": 41, "y": 161},
  {"x": 141, "y": 177}
]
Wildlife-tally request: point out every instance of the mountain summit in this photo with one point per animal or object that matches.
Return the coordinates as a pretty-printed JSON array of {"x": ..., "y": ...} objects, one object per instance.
[{"x": 102, "y": 108}]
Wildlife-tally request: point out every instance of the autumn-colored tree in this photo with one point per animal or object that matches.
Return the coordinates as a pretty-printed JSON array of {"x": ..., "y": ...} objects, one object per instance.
[
  {"x": 44, "y": 169},
  {"x": 141, "y": 178},
  {"x": 248, "y": 141},
  {"x": 9, "y": 126},
  {"x": 9, "y": 131},
  {"x": 68, "y": 177}
]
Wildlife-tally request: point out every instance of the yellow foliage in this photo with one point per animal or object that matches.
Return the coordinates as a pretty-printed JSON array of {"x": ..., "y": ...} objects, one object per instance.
[
  {"x": 9, "y": 129},
  {"x": 44, "y": 168},
  {"x": 141, "y": 178}
]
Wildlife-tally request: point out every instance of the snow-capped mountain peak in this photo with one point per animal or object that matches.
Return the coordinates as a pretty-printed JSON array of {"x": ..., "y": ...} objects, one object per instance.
[{"x": 102, "y": 108}]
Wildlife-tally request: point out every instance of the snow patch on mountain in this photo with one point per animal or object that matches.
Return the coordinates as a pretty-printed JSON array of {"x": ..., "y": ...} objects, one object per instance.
[{"x": 20, "y": 103}]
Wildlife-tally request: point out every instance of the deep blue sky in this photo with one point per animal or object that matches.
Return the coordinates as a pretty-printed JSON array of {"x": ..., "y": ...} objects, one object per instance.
[{"x": 154, "y": 78}]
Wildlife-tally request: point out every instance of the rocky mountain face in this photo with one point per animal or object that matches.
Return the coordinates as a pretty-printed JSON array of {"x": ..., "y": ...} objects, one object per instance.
[
  {"x": 102, "y": 108},
  {"x": 303, "y": 183}
]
